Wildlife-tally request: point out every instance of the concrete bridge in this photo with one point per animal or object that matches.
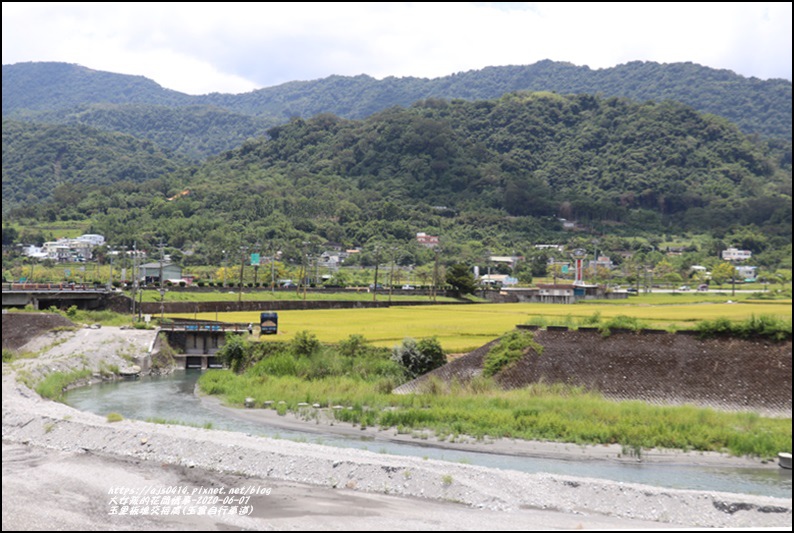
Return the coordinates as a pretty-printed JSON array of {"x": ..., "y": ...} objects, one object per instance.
[{"x": 61, "y": 295}]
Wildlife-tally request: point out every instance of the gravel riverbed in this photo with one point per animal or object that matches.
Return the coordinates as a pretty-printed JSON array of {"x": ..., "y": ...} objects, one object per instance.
[{"x": 61, "y": 465}]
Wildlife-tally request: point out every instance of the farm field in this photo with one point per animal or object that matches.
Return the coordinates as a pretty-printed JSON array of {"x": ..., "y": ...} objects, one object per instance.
[{"x": 461, "y": 328}]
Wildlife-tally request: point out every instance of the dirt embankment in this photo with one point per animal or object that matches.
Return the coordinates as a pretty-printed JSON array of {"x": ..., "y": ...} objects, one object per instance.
[
  {"x": 21, "y": 328},
  {"x": 656, "y": 367}
]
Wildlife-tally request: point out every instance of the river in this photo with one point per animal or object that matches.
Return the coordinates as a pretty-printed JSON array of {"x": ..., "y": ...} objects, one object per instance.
[{"x": 171, "y": 398}]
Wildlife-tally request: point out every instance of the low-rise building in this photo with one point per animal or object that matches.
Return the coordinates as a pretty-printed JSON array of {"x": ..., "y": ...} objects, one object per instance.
[
  {"x": 734, "y": 254},
  {"x": 150, "y": 272},
  {"x": 430, "y": 241}
]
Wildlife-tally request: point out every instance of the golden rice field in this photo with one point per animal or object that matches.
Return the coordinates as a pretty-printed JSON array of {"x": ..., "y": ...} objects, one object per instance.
[{"x": 464, "y": 327}]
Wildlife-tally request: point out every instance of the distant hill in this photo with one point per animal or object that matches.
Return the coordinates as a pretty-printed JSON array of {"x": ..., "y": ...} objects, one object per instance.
[
  {"x": 194, "y": 131},
  {"x": 64, "y": 93},
  {"x": 49, "y": 86},
  {"x": 498, "y": 171},
  {"x": 47, "y": 162}
]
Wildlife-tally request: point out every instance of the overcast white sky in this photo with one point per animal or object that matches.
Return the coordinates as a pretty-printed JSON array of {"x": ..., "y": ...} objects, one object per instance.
[{"x": 237, "y": 47}]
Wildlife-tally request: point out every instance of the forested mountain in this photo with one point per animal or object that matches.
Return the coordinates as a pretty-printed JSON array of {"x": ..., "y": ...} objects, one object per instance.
[
  {"x": 500, "y": 170},
  {"x": 62, "y": 93},
  {"x": 757, "y": 106},
  {"x": 194, "y": 131},
  {"x": 48, "y": 86},
  {"x": 46, "y": 162}
]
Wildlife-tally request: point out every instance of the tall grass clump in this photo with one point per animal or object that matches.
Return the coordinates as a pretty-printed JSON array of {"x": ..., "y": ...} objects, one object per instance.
[
  {"x": 508, "y": 351},
  {"x": 53, "y": 385},
  {"x": 767, "y": 326},
  {"x": 621, "y": 322},
  {"x": 592, "y": 320}
]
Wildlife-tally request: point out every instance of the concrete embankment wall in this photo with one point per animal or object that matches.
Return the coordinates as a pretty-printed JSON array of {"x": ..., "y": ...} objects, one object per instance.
[
  {"x": 154, "y": 308},
  {"x": 653, "y": 366}
]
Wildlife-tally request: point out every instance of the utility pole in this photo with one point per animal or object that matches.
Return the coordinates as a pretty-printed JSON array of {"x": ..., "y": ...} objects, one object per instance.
[
  {"x": 257, "y": 247},
  {"x": 243, "y": 249},
  {"x": 110, "y": 278},
  {"x": 134, "y": 277},
  {"x": 391, "y": 275},
  {"x": 162, "y": 286},
  {"x": 375, "y": 286},
  {"x": 223, "y": 269},
  {"x": 302, "y": 271},
  {"x": 272, "y": 267},
  {"x": 435, "y": 274}
]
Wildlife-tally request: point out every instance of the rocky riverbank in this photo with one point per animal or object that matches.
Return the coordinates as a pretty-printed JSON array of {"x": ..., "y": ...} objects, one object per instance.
[{"x": 60, "y": 467}]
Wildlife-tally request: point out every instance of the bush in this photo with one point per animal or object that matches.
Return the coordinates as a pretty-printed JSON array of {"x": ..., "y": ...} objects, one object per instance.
[
  {"x": 353, "y": 346},
  {"x": 419, "y": 358},
  {"x": 235, "y": 351},
  {"x": 305, "y": 343}
]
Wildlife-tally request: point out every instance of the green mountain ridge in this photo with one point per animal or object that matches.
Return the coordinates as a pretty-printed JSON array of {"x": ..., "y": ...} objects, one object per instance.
[
  {"x": 63, "y": 93},
  {"x": 498, "y": 171}
]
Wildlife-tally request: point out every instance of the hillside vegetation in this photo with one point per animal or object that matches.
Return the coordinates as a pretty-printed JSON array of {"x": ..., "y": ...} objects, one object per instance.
[
  {"x": 467, "y": 170},
  {"x": 53, "y": 163},
  {"x": 64, "y": 93}
]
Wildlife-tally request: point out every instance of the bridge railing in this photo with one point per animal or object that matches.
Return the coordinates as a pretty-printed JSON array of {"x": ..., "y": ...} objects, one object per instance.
[
  {"x": 47, "y": 287},
  {"x": 204, "y": 326}
]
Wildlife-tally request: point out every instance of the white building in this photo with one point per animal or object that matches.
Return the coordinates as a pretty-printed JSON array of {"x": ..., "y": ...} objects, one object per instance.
[
  {"x": 92, "y": 238},
  {"x": 747, "y": 273},
  {"x": 734, "y": 254}
]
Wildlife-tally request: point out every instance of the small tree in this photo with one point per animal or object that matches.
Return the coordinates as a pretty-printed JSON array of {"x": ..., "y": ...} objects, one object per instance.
[
  {"x": 461, "y": 278},
  {"x": 234, "y": 351},
  {"x": 722, "y": 273},
  {"x": 305, "y": 343},
  {"x": 419, "y": 358}
]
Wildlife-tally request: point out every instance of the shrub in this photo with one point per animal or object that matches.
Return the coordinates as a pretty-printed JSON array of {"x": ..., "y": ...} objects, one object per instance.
[
  {"x": 235, "y": 351},
  {"x": 353, "y": 346},
  {"x": 419, "y": 358},
  {"x": 305, "y": 343},
  {"x": 115, "y": 417}
]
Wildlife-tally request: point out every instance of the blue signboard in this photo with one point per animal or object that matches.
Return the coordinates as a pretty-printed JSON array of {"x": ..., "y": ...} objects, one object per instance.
[{"x": 255, "y": 259}]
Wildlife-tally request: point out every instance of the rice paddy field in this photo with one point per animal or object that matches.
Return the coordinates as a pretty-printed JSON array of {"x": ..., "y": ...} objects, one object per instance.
[{"x": 464, "y": 327}]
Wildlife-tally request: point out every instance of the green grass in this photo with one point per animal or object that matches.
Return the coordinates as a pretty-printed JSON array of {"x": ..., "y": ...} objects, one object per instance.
[
  {"x": 166, "y": 422},
  {"x": 508, "y": 351},
  {"x": 52, "y": 386},
  {"x": 538, "y": 412},
  {"x": 464, "y": 327}
]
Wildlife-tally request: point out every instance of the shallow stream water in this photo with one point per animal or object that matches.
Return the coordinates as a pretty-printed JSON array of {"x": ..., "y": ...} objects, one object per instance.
[{"x": 171, "y": 398}]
